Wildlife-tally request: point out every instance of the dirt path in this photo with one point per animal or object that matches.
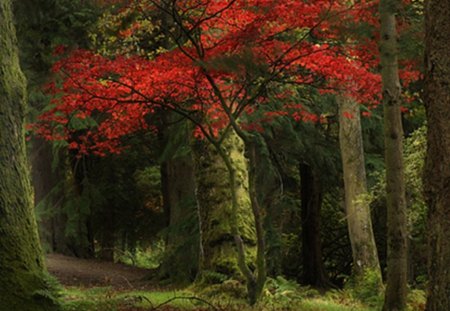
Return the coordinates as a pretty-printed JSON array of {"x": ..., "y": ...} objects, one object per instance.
[{"x": 72, "y": 271}]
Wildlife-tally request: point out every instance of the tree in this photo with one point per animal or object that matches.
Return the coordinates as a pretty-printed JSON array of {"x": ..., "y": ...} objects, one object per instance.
[
  {"x": 437, "y": 165},
  {"x": 213, "y": 78},
  {"x": 23, "y": 279},
  {"x": 365, "y": 256},
  {"x": 39, "y": 26},
  {"x": 216, "y": 206},
  {"x": 396, "y": 290},
  {"x": 311, "y": 204},
  {"x": 183, "y": 249}
]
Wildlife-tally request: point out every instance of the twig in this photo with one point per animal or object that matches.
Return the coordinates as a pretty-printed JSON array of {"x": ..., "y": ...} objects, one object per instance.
[{"x": 213, "y": 307}]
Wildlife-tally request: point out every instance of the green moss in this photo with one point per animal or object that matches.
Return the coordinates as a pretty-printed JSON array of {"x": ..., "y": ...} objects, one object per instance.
[
  {"x": 23, "y": 282},
  {"x": 214, "y": 197},
  {"x": 367, "y": 287},
  {"x": 29, "y": 291}
]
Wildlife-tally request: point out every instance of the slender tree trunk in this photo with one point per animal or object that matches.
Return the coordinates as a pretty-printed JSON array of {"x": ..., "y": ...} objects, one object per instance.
[
  {"x": 311, "y": 202},
  {"x": 269, "y": 187},
  {"x": 396, "y": 290},
  {"x": 437, "y": 165},
  {"x": 255, "y": 285},
  {"x": 45, "y": 189},
  {"x": 22, "y": 277},
  {"x": 107, "y": 235},
  {"x": 81, "y": 240},
  {"x": 364, "y": 250},
  {"x": 48, "y": 184}
]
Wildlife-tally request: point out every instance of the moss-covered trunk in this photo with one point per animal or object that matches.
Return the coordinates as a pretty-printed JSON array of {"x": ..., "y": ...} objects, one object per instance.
[
  {"x": 396, "y": 276},
  {"x": 22, "y": 277},
  {"x": 364, "y": 250},
  {"x": 437, "y": 166},
  {"x": 216, "y": 206},
  {"x": 255, "y": 283}
]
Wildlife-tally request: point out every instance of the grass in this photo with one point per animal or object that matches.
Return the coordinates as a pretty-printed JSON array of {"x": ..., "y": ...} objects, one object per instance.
[
  {"x": 107, "y": 299},
  {"x": 279, "y": 294}
]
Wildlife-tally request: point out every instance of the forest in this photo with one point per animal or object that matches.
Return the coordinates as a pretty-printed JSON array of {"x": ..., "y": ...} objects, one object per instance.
[{"x": 224, "y": 155}]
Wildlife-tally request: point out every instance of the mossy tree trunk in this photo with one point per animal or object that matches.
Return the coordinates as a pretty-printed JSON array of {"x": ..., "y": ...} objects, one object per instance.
[
  {"x": 257, "y": 278},
  {"x": 362, "y": 240},
  {"x": 311, "y": 203},
  {"x": 254, "y": 271},
  {"x": 396, "y": 276},
  {"x": 437, "y": 166},
  {"x": 220, "y": 215},
  {"x": 22, "y": 278}
]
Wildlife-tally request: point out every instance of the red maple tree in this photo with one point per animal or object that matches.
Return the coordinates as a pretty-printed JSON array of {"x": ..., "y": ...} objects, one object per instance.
[
  {"x": 224, "y": 55},
  {"x": 220, "y": 59}
]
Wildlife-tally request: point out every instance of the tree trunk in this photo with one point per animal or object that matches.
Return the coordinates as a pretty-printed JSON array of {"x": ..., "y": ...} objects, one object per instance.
[
  {"x": 268, "y": 185},
  {"x": 396, "y": 290},
  {"x": 255, "y": 284},
  {"x": 216, "y": 205},
  {"x": 44, "y": 183},
  {"x": 80, "y": 241},
  {"x": 437, "y": 165},
  {"x": 311, "y": 202},
  {"x": 364, "y": 250},
  {"x": 107, "y": 234},
  {"x": 181, "y": 260},
  {"x": 22, "y": 278}
]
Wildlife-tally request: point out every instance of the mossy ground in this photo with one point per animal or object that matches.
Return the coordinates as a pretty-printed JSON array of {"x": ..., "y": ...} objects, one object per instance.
[
  {"x": 108, "y": 299},
  {"x": 96, "y": 290}
]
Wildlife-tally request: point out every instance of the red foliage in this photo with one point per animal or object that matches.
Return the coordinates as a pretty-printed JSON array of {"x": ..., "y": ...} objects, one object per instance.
[{"x": 235, "y": 49}]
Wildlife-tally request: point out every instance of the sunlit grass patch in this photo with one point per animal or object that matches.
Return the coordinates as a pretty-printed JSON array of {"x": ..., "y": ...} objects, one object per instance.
[
  {"x": 324, "y": 304},
  {"x": 304, "y": 299},
  {"x": 108, "y": 299}
]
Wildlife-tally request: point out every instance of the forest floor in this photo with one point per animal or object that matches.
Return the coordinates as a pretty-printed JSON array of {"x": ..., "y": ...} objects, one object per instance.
[
  {"x": 71, "y": 271},
  {"x": 90, "y": 285},
  {"x": 95, "y": 285}
]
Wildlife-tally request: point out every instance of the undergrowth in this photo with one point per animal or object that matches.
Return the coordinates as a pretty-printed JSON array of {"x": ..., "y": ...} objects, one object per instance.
[{"x": 279, "y": 294}]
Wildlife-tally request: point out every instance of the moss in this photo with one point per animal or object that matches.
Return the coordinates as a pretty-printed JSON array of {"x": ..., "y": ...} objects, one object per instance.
[
  {"x": 22, "y": 279},
  {"x": 367, "y": 287},
  {"x": 216, "y": 206},
  {"x": 29, "y": 290},
  {"x": 226, "y": 291}
]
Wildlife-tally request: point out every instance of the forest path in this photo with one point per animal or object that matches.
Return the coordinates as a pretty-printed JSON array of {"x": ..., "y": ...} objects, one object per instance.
[{"x": 71, "y": 271}]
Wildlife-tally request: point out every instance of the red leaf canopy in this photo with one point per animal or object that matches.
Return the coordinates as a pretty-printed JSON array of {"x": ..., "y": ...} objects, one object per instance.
[{"x": 225, "y": 54}]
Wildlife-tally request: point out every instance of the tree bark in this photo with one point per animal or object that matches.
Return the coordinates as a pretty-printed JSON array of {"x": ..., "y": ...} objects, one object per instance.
[
  {"x": 44, "y": 183},
  {"x": 183, "y": 249},
  {"x": 22, "y": 278},
  {"x": 437, "y": 164},
  {"x": 255, "y": 284},
  {"x": 268, "y": 186},
  {"x": 364, "y": 250},
  {"x": 396, "y": 289},
  {"x": 215, "y": 197},
  {"x": 311, "y": 202}
]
